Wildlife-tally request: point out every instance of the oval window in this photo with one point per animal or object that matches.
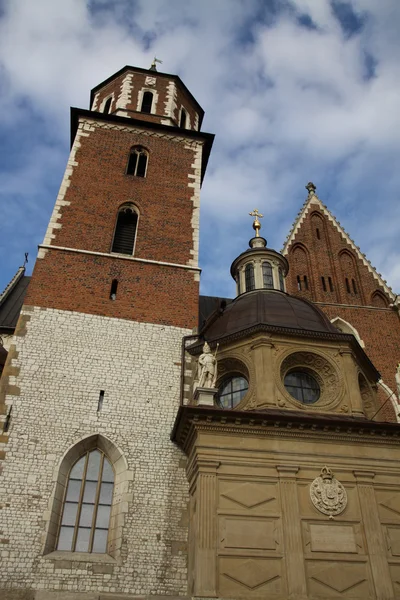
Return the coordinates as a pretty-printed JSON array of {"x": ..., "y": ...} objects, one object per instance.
[
  {"x": 231, "y": 391},
  {"x": 302, "y": 386}
]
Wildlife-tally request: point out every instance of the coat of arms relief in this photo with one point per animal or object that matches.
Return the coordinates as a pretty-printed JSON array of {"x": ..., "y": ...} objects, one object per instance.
[{"x": 328, "y": 494}]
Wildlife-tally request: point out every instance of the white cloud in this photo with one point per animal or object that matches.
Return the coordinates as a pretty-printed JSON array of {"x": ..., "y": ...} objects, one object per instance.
[{"x": 288, "y": 104}]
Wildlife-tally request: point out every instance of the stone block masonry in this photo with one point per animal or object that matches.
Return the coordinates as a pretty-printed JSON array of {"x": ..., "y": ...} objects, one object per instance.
[{"x": 65, "y": 359}]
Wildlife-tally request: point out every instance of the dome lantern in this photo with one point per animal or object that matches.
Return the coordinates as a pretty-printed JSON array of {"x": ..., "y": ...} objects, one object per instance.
[{"x": 259, "y": 267}]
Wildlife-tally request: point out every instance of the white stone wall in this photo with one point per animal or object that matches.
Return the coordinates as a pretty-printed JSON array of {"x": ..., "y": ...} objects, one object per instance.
[{"x": 65, "y": 359}]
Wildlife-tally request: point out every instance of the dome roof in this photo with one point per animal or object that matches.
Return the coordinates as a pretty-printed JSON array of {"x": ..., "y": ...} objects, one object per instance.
[{"x": 269, "y": 308}]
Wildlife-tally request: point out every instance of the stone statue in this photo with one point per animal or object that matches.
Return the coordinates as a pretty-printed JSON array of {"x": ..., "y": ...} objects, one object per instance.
[
  {"x": 398, "y": 380},
  {"x": 207, "y": 368}
]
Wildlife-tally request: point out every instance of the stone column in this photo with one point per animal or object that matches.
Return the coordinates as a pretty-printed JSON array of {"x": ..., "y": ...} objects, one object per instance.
[
  {"x": 352, "y": 383},
  {"x": 374, "y": 535},
  {"x": 205, "y": 567},
  {"x": 263, "y": 362},
  {"x": 294, "y": 555}
]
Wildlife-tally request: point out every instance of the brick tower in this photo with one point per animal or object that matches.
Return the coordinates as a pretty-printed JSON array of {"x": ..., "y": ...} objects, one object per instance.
[
  {"x": 95, "y": 369},
  {"x": 327, "y": 268}
]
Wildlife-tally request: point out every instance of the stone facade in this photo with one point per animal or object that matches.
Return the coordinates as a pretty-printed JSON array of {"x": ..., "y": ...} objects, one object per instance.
[{"x": 63, "y": 362}]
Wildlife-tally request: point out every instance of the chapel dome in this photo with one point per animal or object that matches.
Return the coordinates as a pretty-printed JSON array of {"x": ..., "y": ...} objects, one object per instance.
[{"x": 270, "y": 308}]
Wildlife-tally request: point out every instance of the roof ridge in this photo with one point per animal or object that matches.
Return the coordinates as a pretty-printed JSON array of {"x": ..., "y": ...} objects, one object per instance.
[
  {"x": 301, "y": 216},
  {"x": 10, "y": 286}
]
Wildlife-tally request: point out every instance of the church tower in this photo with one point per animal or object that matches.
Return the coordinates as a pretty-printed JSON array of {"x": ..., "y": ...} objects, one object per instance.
[{"x": 93, "y": 490}]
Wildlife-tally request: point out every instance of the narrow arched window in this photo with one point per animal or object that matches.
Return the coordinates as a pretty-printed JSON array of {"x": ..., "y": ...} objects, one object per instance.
[
  {"x": 107, "y": 106},
  {"x": 147, "y": 102},
  {"x": 249, "y": 277},
  {"x": 268, "y": 281},
  {"x": 125, "y": 230},
  {"x": 182, "y": 122},
  {"x": 137, "y": 162},
  {"x": 87, "y": 505}
]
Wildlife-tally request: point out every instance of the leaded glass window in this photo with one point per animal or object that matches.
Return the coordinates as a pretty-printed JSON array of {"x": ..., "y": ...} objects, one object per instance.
[
  {"x": 231, "y": 391},
  {"x": 268, "y": 280},
  {"x": 87, "y": 505},
  {"x": 249, "y": 277},
  {"x": 302, "y": 386}
]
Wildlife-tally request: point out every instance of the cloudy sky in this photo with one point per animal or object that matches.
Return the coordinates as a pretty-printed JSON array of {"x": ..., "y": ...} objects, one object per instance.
[{"x": 295, "y": 90}]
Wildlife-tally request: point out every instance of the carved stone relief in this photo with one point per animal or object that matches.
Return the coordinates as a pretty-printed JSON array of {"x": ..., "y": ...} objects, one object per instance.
[{"x": 328, "y": 494}]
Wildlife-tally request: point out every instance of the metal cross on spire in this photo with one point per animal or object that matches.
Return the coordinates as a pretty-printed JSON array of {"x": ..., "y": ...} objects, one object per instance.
[{"x": 256, "y": 223}]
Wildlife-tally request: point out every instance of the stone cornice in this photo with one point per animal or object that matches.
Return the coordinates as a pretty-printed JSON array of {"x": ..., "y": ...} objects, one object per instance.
[{"x": 280, "y": 423}]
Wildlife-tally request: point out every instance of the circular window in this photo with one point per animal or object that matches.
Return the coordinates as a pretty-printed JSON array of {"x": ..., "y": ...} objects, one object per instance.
[
  {"x": 302, "y": 386},
  {"x": 231, "y": 391}
]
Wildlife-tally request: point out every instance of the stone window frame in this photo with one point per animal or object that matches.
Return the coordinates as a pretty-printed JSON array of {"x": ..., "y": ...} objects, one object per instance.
[
  {"x": 139, "y": 150},
  {"x": 104, "y": 101},
  {"x": 153, "y": 104},
  {"x": 134, "y": 207},
  {"x": 322, "y": 368},
  {"x": 122, "y": 499}
]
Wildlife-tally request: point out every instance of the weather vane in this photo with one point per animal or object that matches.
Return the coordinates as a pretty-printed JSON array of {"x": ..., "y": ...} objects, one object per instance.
[
  {"x": 153, "y": 66},
  {"x": 256, "y": 224}
]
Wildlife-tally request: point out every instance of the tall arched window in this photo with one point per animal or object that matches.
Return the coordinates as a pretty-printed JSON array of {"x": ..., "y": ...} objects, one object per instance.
[
  {"x": 125, "y": 230},
  {"x": 87, "y": 505},
  {"x": 183, "y": 119},
  {"x": 147, "y": 102},
  {"x": 249, "y": 277},
  {"x": 268, "y": 280},
  {"x": 107, "y": 106},
  {"x": 137, "y": 162}
]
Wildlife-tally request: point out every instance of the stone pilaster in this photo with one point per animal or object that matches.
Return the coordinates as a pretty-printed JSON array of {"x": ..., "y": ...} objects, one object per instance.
[
  {"x": 352, "y": 384},
  {"x": 374, "y": 535},
  {"x": 205, "y": 567},
  {"x": 294, "y": 556},
  {"x": 262, "y": 352}
]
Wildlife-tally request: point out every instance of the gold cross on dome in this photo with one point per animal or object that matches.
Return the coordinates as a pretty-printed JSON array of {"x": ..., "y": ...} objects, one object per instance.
[{"x": 256, "y": 224}]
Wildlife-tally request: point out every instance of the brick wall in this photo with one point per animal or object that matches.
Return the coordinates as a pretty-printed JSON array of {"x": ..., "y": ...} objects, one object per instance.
[
  {"x": 319, "y": 250},
  {"x": 94, "y": 187}
]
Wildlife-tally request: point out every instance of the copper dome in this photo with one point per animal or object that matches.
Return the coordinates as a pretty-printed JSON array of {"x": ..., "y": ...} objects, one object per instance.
[{"x": 268, "y": 308}]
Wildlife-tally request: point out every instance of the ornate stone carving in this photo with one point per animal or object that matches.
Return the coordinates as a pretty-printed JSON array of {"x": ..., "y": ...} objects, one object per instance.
[{"x": 328, "y": 494}]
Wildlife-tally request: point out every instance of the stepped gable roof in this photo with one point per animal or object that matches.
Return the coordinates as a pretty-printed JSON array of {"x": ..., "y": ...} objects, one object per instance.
[
  {"x": 12, "y": 299},
  {"x": 268, "y": 309},
  {"x": 313, "y": 200}
]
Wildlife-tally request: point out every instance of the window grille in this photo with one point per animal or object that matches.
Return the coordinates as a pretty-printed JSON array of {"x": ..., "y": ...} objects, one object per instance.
[
  {"x": 87, "y": 505},
  {"x": 268, "y": 281},
  {"x": 249, "y": 277}
]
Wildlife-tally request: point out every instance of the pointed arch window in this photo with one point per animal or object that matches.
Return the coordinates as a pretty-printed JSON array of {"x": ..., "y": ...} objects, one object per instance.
[
  {"x": 87, "y": 505},
  {"x": 268, "y": 280},
  {"x": 125, "y": 230},
  {"x": 137, "y": 162},
  {"x": 249, "y": 277},
  {"x": 147, "y": 102}
]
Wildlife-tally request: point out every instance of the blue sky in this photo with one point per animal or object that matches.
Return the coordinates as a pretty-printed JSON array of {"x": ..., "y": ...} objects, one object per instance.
[{"x": 295, "y": 90}]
